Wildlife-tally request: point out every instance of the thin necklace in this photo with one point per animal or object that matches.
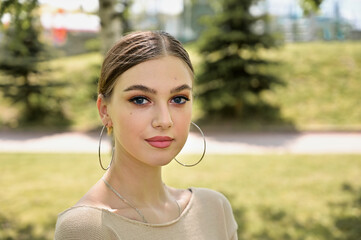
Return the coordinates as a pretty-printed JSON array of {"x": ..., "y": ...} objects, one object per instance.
[{"x": 131, "y": 205}]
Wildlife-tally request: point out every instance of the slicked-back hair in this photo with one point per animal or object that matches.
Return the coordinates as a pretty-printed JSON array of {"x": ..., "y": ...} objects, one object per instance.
[{"x": 134, "y": 49}]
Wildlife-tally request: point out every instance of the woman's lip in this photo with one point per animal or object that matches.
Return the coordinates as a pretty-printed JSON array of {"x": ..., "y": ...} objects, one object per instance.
[{"x": 160, "y": 141}]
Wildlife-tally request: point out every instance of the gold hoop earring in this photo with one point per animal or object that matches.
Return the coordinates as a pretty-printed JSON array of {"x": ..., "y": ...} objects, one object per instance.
[
  {"x": 204, "y": 149},
  {"x": 99, "y": 146}
]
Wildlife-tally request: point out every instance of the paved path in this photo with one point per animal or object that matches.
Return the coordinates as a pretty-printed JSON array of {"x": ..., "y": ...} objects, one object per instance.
[{"x": 244, "y": 143}]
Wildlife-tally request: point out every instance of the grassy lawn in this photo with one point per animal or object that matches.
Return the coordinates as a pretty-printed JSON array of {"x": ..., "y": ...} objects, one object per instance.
[
  {"x": 273, "y": 196},
  {"x": 322, "y": 84}
]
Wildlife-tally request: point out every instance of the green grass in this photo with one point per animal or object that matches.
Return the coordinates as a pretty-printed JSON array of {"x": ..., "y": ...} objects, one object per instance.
[
  {"x": 273, "y": 196},
  {"x": 322, "y": 84}
]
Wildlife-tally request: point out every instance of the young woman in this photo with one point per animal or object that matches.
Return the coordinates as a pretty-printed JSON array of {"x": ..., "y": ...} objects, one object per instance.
[{"x": 145, "y": 100}]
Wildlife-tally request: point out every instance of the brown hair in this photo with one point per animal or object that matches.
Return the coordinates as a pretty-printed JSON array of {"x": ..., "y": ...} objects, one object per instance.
[{"x": 136, "y": 48}]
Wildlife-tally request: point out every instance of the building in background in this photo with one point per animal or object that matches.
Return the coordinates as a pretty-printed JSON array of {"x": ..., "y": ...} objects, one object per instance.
[
  {"x": 295, "y": 27},
  {"x": 71, "y": 31},
  {"x": 75, "y": 30}
]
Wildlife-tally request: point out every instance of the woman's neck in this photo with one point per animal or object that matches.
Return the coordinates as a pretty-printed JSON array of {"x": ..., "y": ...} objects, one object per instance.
[{"x": 137, "y": 182}]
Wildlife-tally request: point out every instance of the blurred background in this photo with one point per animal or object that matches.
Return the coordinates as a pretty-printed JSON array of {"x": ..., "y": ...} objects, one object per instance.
[
  {"x": 288, "y": 64},
  {"x": 263, "y": 67}
]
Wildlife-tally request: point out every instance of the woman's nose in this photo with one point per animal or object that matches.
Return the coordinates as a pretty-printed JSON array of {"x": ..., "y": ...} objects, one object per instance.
[{"x": 162, "y": 118}]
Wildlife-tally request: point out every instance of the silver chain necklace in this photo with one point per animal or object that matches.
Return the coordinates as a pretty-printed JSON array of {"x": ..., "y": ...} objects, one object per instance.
[{"x": 131, "y": 205}]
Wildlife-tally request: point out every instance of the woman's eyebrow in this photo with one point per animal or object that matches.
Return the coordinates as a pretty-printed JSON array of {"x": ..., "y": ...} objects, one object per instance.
[
  {"x": 181, "y": 88},
  {"x": 153, "y": 91},
  {"x": 141, "y": 88}
]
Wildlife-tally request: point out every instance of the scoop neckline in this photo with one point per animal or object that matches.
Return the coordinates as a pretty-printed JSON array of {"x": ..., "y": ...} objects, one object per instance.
[{"x": 105, "y": 210}]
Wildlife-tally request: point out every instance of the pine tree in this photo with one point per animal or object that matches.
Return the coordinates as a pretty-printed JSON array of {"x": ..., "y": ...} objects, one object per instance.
[
  {"x": 21, "y": 53},
  {"x": 231, "y": 77}
]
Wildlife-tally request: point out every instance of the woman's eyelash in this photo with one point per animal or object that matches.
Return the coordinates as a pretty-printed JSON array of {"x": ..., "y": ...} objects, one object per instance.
[
  {"x": 139, "y": 100},
  {"x": 180, "y": 99},
  {"x": 183, "y": 97}
]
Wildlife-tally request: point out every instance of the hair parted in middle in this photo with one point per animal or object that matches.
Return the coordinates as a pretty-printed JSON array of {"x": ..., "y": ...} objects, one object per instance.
[{"x": 134, "y": 49}]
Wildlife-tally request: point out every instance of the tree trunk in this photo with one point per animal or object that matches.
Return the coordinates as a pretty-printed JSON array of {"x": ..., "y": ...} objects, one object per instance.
[
  {"x": 27, "y": 93},
  {"x": 111, "y": 24}
]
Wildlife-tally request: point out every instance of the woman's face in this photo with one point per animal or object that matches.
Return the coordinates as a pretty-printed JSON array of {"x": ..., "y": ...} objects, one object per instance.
[{"x": 150, "y": 110}]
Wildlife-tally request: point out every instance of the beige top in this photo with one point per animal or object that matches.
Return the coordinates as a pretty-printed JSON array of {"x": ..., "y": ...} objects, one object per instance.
[{"x": 208, "y": 215}]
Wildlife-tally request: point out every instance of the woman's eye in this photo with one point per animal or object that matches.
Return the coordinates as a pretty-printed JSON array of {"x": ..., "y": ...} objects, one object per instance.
[
  {"x": 139, "y": 100},
  {"x": 180, "y": 100}
]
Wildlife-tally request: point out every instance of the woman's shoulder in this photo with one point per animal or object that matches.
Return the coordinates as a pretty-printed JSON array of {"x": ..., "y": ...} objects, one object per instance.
[
  {"x": 209, "y": 194},
  {"x": 80, "y": 211},
  {"x": 210, "y": 199},
  {"x": 213, "y": 203},
  {"x": 79, "y": 215},
  {"x": 79, "y": 222}
]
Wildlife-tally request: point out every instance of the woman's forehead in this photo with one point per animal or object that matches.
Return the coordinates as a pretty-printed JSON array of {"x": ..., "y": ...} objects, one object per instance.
[{"x": 162, "y": 72}]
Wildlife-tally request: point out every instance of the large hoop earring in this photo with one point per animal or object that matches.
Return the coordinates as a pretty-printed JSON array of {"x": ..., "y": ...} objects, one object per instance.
[
  {"x": 99, "y": 146},
  {"x": 204, "y": 149}
]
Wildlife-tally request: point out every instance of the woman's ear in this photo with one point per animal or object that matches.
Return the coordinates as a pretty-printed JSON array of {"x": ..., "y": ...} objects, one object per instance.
[{"x": 103, "y": 111}]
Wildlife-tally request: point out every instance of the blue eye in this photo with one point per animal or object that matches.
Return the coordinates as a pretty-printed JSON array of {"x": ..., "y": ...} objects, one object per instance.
[
  {"x": 180, "y": 100},
  {"x": 139, "y": 100}
]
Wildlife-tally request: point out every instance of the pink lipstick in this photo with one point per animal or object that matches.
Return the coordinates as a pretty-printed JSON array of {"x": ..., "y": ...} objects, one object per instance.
[{"x": 160, "y": 141}]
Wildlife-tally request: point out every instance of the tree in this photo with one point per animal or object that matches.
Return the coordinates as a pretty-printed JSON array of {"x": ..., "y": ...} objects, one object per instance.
[
  {"x": 310, "y": 6},
  {"x": 232, "y": 78},
  {"x": 114, "y": 22},
  {"x": 21, "y": 53}
]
